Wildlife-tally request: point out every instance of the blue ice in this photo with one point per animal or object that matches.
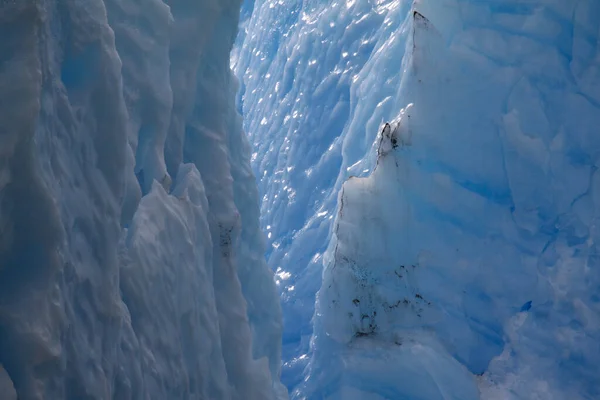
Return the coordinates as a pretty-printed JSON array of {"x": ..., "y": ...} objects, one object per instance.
[{"x": 492, "y": 194}]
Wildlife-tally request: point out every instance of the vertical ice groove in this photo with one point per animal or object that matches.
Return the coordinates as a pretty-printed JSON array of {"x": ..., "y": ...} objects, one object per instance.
[
  {"x": 494, "y": 202},
  {"x": 131, "y": 265}
]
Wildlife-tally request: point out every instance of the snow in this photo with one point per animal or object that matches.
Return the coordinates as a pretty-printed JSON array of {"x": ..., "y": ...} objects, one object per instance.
[
  {"x": 491, "y": 194},
  {"x": 131, "y": 262}
]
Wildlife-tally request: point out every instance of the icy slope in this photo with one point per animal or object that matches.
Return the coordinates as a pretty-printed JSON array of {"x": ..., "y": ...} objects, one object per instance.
[
  {"x": 131, "y": 264},
  {"x": 466, "y": 265},
  {"x": 310, "y": 85}
]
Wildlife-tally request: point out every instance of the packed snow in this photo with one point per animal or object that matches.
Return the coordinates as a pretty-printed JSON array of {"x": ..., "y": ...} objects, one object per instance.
[{"x": 460, "y": 261}]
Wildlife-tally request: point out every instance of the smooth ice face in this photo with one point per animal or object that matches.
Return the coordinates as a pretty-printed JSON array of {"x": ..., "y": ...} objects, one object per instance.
[
  {"x": 131, "y": 261},
  {"x": 493, "y": 199}
]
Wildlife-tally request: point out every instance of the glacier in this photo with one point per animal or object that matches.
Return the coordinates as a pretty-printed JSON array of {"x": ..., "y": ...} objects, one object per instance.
[
  {"x": 131, "y": 261},
  {"x": 351, "y": 199},
  {"x": 452, "y": 253}
]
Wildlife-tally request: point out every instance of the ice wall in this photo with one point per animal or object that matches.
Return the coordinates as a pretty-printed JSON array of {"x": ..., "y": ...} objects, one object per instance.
[
  {"x": 131, "y": 263},
  {"x": 466, "y": 265},
  {"x": 307, "y": 72}
]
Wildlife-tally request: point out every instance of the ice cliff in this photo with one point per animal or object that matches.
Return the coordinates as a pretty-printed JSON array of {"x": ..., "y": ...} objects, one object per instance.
[
  {"x": 455, "y": 250},
  {"x": 131, "y": 262}
]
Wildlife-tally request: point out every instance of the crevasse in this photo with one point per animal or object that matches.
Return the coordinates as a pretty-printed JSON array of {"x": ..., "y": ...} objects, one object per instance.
[
  {"x": 429, "y": 195},
  {"x": 463, "y": 262}
]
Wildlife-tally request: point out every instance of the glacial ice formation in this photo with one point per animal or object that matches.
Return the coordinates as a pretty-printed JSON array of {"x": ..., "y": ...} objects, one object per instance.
[
  {"x": 131, "y": 262},
  {"x": 302, "y": 67},
  {"x": 465, "y": 265},
  {"x": 448, "y": 254}
]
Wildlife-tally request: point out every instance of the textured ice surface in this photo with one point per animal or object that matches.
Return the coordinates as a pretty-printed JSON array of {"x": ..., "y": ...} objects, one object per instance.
[
  {"x": 310, "y": 87},
  {"x": 492, "y": 197},
  {"x": 131, "y": 263}
]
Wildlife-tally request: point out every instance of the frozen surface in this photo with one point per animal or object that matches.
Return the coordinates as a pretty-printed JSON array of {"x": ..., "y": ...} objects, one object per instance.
[
  {"x": 303, "y": 66},
  {"x": 466, "y": 266},
  {"x": 131, "y": 263}
]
